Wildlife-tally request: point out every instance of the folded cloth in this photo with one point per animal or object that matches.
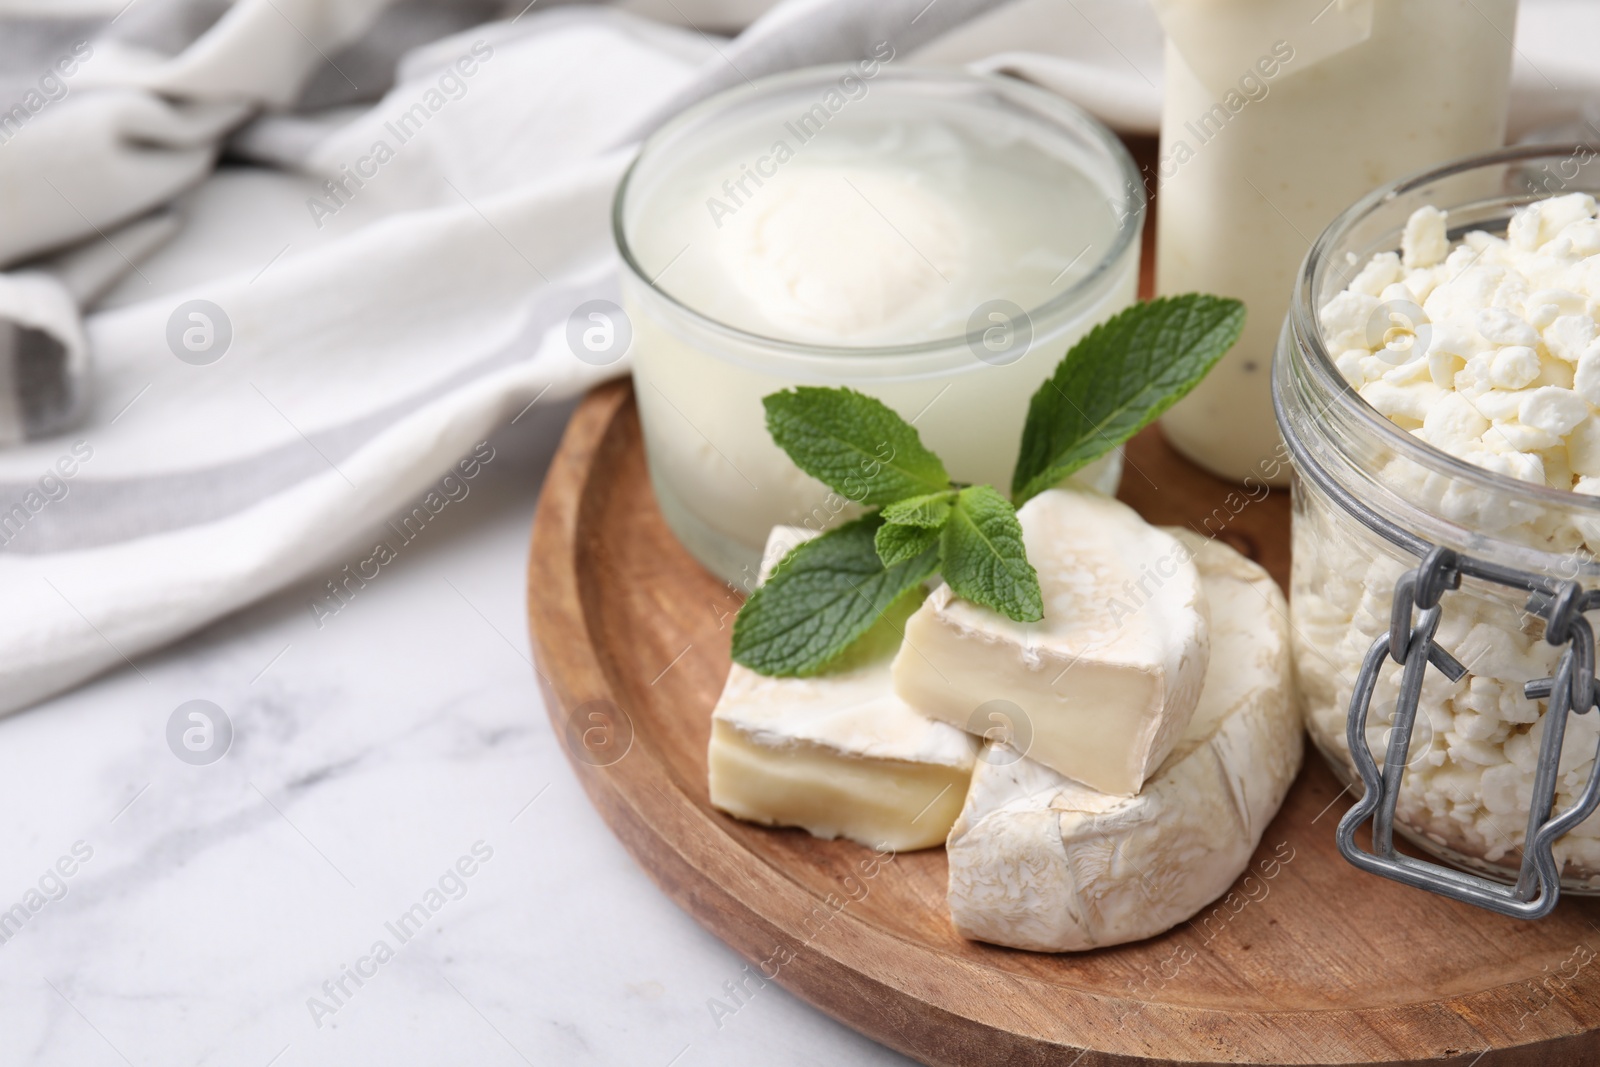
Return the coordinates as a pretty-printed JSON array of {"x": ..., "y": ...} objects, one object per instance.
[
  {"x": 44, "y": 355},
  {"x": 413, "y": 200},
  {"x": 326, "y": 337}
]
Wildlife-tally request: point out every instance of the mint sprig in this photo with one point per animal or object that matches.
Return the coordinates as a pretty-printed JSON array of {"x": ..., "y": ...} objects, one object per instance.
[
  {"x": 1117, "y": 380},
  {"x": 830, "y": 591},
  {"x": 821, "y": 598},
  {"x": 896, "y": 542},
  {"x": 854, "y": 444},
  {"x": 982, "y": 557},
  {"x": 928, "y": 511}
]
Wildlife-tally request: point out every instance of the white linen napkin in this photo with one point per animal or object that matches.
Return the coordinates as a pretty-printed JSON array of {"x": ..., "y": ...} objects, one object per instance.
[
  {"x": 329, "y": 332},
  {"x": 316, "y": 349}
]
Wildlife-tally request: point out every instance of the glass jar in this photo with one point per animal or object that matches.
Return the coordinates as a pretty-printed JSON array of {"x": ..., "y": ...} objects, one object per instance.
[
  {"x": 1465, "y": 792},
  {"x": 1027, "y": 210}
]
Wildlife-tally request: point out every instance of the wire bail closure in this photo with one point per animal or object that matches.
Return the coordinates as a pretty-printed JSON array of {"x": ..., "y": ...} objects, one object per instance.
[
  {"x": 1572, "y": 689},
  {"x": 1413, "y": 622},
  {"x": 1412, "y": 645}
]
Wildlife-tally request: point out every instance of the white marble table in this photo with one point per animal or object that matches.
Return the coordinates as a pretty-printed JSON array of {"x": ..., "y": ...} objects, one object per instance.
[{"x": 369, "y": 756}]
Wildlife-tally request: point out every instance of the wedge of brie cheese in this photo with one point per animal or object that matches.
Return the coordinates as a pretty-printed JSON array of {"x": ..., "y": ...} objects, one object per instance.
[
  {"x": 1040, "y": 862},
  {"x": 838, "y": 754},
  {"x": 1104, "y": 686}
]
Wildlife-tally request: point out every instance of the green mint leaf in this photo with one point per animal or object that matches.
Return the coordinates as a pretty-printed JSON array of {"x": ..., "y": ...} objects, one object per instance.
[
  {"x": 931, "y": 510},
  {"x": 823, "y": 596},
  {"x": 1117, "y": 380},
  {"x": 897, "y": 543},
  {"x": 854, "y": 444},
  {"x": 884, "y": 637},
  {"x": 983, "y": 558}
]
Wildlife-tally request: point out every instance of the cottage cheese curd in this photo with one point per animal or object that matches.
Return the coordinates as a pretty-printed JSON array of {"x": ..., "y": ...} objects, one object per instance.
[{"x": 1488, "y": 349}]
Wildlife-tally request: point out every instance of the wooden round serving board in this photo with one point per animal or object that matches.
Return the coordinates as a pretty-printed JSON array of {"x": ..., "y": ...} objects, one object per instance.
[{"x": 1308, "y": 961}]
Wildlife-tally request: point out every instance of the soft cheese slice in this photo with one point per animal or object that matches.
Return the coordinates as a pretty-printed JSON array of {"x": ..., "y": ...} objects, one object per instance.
[
  {"x": 1104, "y": 686},
  {"x": 1039, "y": 862},
  {"x": 838, "y": 755}
]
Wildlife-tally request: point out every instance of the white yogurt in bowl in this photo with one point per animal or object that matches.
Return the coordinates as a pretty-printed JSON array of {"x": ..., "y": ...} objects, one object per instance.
[{"x": 936, "y": 239}]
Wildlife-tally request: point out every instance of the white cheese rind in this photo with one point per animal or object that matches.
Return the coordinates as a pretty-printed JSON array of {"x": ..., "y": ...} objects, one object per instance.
[
  {"x": 1040, "y": 862},
  {"x": 1105, "y": 685},
  {"x": 839, "y": 755}
]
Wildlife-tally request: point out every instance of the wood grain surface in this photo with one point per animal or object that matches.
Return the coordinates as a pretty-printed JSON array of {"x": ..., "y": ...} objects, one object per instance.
[{"x": 1306, "y": 961}]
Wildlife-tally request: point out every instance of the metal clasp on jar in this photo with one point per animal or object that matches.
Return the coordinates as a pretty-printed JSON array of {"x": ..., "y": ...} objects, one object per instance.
[{"x": 1561, "y": 605}]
